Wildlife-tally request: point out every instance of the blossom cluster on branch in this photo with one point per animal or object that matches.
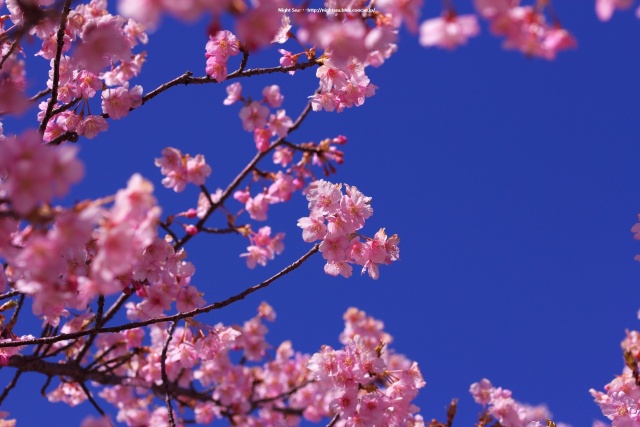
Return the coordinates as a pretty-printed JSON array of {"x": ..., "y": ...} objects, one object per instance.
[{"x": 81, "y": 266}]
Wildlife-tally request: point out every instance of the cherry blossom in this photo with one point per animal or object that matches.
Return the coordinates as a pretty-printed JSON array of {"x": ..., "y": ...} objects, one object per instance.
[{"x": 448, "y": 31}]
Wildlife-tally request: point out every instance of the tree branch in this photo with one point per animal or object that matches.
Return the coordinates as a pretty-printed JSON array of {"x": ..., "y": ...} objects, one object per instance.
[
  {"x": 56, "y": 65},
  {"x": 175, "y": 317},
  {"x": 163, "y": 370}
]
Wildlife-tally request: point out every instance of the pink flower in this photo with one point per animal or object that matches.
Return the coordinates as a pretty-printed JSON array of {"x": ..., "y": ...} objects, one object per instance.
[
  {"x": 96, "y": 422},
  {"x": 197, "y": 170},
  {"x": 242, "y": 196},
  {"x": 288, "y": 59},
  {"x": 280, "y": 123},
  {"x": 490, "y": 9},
  {"x": 272, "y": 96},
  {"x": 87, "y": 82},
  {"x": 216, "y": 69},
  {"x": 448, "y": 31},
  {"x": 255, "y": 255},
  {"x": 102, "y": 44},
  {"x": 282, "y": 156},
  {"x": 333, "y": 248},
  {"x": 254, "y": 116},
  {"x": 258, "y": 206},
  {"x": 338, "y": 268},
  {"x": 605, "y": 8},
  {"x": 234, "y": 93},
  {"x": 222, "y": 46},
  {"x": 146, "y": 12},
  {"x": 91, "y": 126},
  {"x": 261, "y": 137},
  {"x": 259, "y": 26},
  {"x": 180, "y": 169},
  {"x": 324, "y": 197},
  {"x": 282, "y": 187},
  {"x": 481, "y": 391},
  {"x": 555, "y": 40},
  {"x": 344, "y": 39},
  {"x": 313, "y": 228},
  {"x": 403, "y": 10},
  {"x": 116, "y": 102},
  {"x": 189, "y": 299},
  {"x": 283, "y": 32}
]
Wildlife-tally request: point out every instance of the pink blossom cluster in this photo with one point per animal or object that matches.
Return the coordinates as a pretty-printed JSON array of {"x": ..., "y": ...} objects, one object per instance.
[
  {"x": 335, "y": 219},
  {"x": 179, "y": 169},
  {"x": 263, "y": 247},
  {"x": 256, "y": 116},
  {"x": 367, "y": 385},
  {"x": 101, "y": 251},
  {"x": 12, "y": 80},
  {"x": 619, "y": 401},
  {"x": 232, "y": 373},
  {"x": 449, "y": 31},
  {"x": 525, "y": 28},
  {"x": 341, "y": 86},
  {"x": 32, "y": 174},
  {"x": 282, "y": 184},
  {"x": 7, "y": 352},
  {"x": 94, "y": 40},
  {"x": 256, "y": 25},
  {"x": 219, "y": 49},
  {"x": 505, "y": 409},
  {"x": 606, "y": 8}
]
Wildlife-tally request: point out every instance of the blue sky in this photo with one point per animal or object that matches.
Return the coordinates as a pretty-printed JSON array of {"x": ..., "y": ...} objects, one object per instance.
[{"x": 511, "y": 182}]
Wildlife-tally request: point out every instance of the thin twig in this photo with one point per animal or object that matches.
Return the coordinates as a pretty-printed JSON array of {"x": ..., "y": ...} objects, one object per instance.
[
  {"x": 115, "y": 307},
  {"x": 43, "y": 390},
  {"x": 163, "y": 368},
  {"x": 9, "y": 294},
  {"x": 255, "y": 403},
  {"x": 13, "y": 47},
  {"x": 97, "y": 323},
  {"x": 43, "y": 92},
  {"x": 91, "y": 399},
  {"x": 221, "y": 230},
  {"x": 14, "y": 316},
  {"x": 102, "y": 355},
  {"x": 56, "y": 65}
]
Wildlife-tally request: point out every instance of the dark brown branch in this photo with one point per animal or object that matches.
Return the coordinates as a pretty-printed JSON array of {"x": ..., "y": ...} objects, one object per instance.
[
  {"x": 13, "y": 47},
  {"x": 163, "y": 370},
  {"x": 334, "y": 420},
  {"x": 166, "y": 228},
  {"x": 221, "y": 230},
  {"x": 188, "y": 79},
  {"x": 77, "y": 374},
  {"x": 91, "y": 399},
  {"x": 43, "y": 390},
  {"x": 9, "y": 294},
  {"x": 214, "y": 306},
  {"x": 43, "y": 92},
  {"x": 99, "y": 314},
  {"x": 310, "y": 149},
  {"x": 56, "y": 65}
]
